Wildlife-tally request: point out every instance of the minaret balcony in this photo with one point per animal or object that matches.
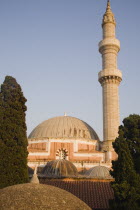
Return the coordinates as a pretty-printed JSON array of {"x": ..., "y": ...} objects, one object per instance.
[
  {"x": 114, "y": 73},
  {"x": 111, "y": 42}
]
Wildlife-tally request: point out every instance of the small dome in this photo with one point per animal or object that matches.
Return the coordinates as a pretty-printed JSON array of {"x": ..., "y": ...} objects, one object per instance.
[
  {"x": 60, "y": 168},
  {"x": 99, "y": 172},
  {"x": 63, "y": 127},
  {"x": 30, "y": 172},
  {"x": 39, "y": 197}
]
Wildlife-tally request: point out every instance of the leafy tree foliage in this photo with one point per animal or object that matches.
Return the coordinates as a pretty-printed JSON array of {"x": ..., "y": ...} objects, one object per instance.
[
  {"x": 125, "y": 169},
  {"x": 13, "y": 139},
  {"x": 131, "y": 130}
]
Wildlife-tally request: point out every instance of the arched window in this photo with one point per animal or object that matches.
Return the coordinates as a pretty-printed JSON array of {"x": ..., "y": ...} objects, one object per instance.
[{"x": 62, "y": 154}]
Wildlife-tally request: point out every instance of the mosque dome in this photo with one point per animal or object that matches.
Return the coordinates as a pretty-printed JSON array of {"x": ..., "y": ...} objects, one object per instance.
[
  {"x": 30, "y": 172},
  {"x": 60, "y": 168},
  {"x": 63, "y": 127},
  {"x": 99, "y": 172},
  {"x": 39, "y": 197}
]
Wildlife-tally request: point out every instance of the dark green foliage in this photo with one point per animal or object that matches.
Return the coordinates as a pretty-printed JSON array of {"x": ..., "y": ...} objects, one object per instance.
[
  {"x": 125, "y": 169},
  {"x": 13, "y": 139},
  {"x": 131, "y": 130}
]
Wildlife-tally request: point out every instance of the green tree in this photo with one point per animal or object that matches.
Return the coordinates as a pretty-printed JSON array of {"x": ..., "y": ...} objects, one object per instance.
[
  {"x": 13, "y": 139},
  {"x": 127, "y": 180},
  {"x": 131, "y": 130}
]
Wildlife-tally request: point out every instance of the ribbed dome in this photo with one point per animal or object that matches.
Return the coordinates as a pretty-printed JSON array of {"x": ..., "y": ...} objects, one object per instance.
[
  {"x": 63, "y": 127},
  {"x": 30, "y": 172},
  {"x": 39, "y": 197},
  {"x": 60, "y": 168},
  {"x": 99, "y": 172}
]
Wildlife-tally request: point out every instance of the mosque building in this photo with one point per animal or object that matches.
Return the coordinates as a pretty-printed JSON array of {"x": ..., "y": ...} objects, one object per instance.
[{"x": 72, "y": 140}]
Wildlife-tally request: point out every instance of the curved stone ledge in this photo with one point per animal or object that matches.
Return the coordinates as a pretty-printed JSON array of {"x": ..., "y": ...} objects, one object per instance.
[
  {"x": 110, "y": 79},
  {"x": 110, "y": 42},
  {"x": 110, "y": 72}
]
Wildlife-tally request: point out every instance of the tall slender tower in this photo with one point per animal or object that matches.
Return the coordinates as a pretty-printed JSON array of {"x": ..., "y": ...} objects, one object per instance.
[{"x": 109, "y": 78}]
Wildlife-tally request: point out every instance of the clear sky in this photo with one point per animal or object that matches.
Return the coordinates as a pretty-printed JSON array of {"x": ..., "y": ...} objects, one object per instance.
[{"x": 51, "y": 48}]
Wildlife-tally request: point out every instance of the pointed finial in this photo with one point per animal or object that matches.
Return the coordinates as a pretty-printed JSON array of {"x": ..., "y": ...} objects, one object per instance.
[
  {"x": 35, "y": 179},
  {"x": 108, "y": 6},
  {"x": 108, "y": 16},
  {"x": 35, "y": 171}
]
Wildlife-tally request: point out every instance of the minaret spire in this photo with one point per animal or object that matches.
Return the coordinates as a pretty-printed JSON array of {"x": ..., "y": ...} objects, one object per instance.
[
  {"x": 108, "y": 6},
  {"x": 110, "y": 78},
  {"x": 108, "y": 16}
]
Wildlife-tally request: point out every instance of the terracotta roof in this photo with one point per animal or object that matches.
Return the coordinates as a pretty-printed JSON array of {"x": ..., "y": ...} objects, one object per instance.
[{"x": 95, "y": 194}]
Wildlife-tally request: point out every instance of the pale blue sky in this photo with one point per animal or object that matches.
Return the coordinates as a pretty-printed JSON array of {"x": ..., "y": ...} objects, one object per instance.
[{"x": 51, "y": 48}]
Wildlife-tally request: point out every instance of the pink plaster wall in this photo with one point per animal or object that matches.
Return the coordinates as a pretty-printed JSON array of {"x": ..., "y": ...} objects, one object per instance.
[{"x": 82, "y": 148}]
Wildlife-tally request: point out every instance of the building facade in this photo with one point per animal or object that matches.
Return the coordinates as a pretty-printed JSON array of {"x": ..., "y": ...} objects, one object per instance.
[{"x": 72, "y": 139}]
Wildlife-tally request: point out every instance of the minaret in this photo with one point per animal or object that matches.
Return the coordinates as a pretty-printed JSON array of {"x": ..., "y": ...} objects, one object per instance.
[{"x": 110, "y": 78}]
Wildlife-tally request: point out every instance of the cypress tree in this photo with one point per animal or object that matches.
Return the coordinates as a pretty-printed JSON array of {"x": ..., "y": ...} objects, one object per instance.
[
  {"x": 13, "y": 139},
  {"x": 127, "y": 181},
  {"x": 131, "y": 130}
]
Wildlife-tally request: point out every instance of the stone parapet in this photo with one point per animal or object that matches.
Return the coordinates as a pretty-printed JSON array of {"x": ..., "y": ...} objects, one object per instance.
[
  {"x": 110, "y": 79},
  {"x": 111, "y": 42},
  {"x": 111, "y": 73}
]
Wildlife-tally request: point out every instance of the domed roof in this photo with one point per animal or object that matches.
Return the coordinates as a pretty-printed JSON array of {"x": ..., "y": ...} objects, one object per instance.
[
  {"x": 30, "y": 171},
  {"x": 39, "y": 197},
  {"x": 63, "y": 127},
  {"x": 59, "y": 168},
  {"x": 99, "y": 172}
]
